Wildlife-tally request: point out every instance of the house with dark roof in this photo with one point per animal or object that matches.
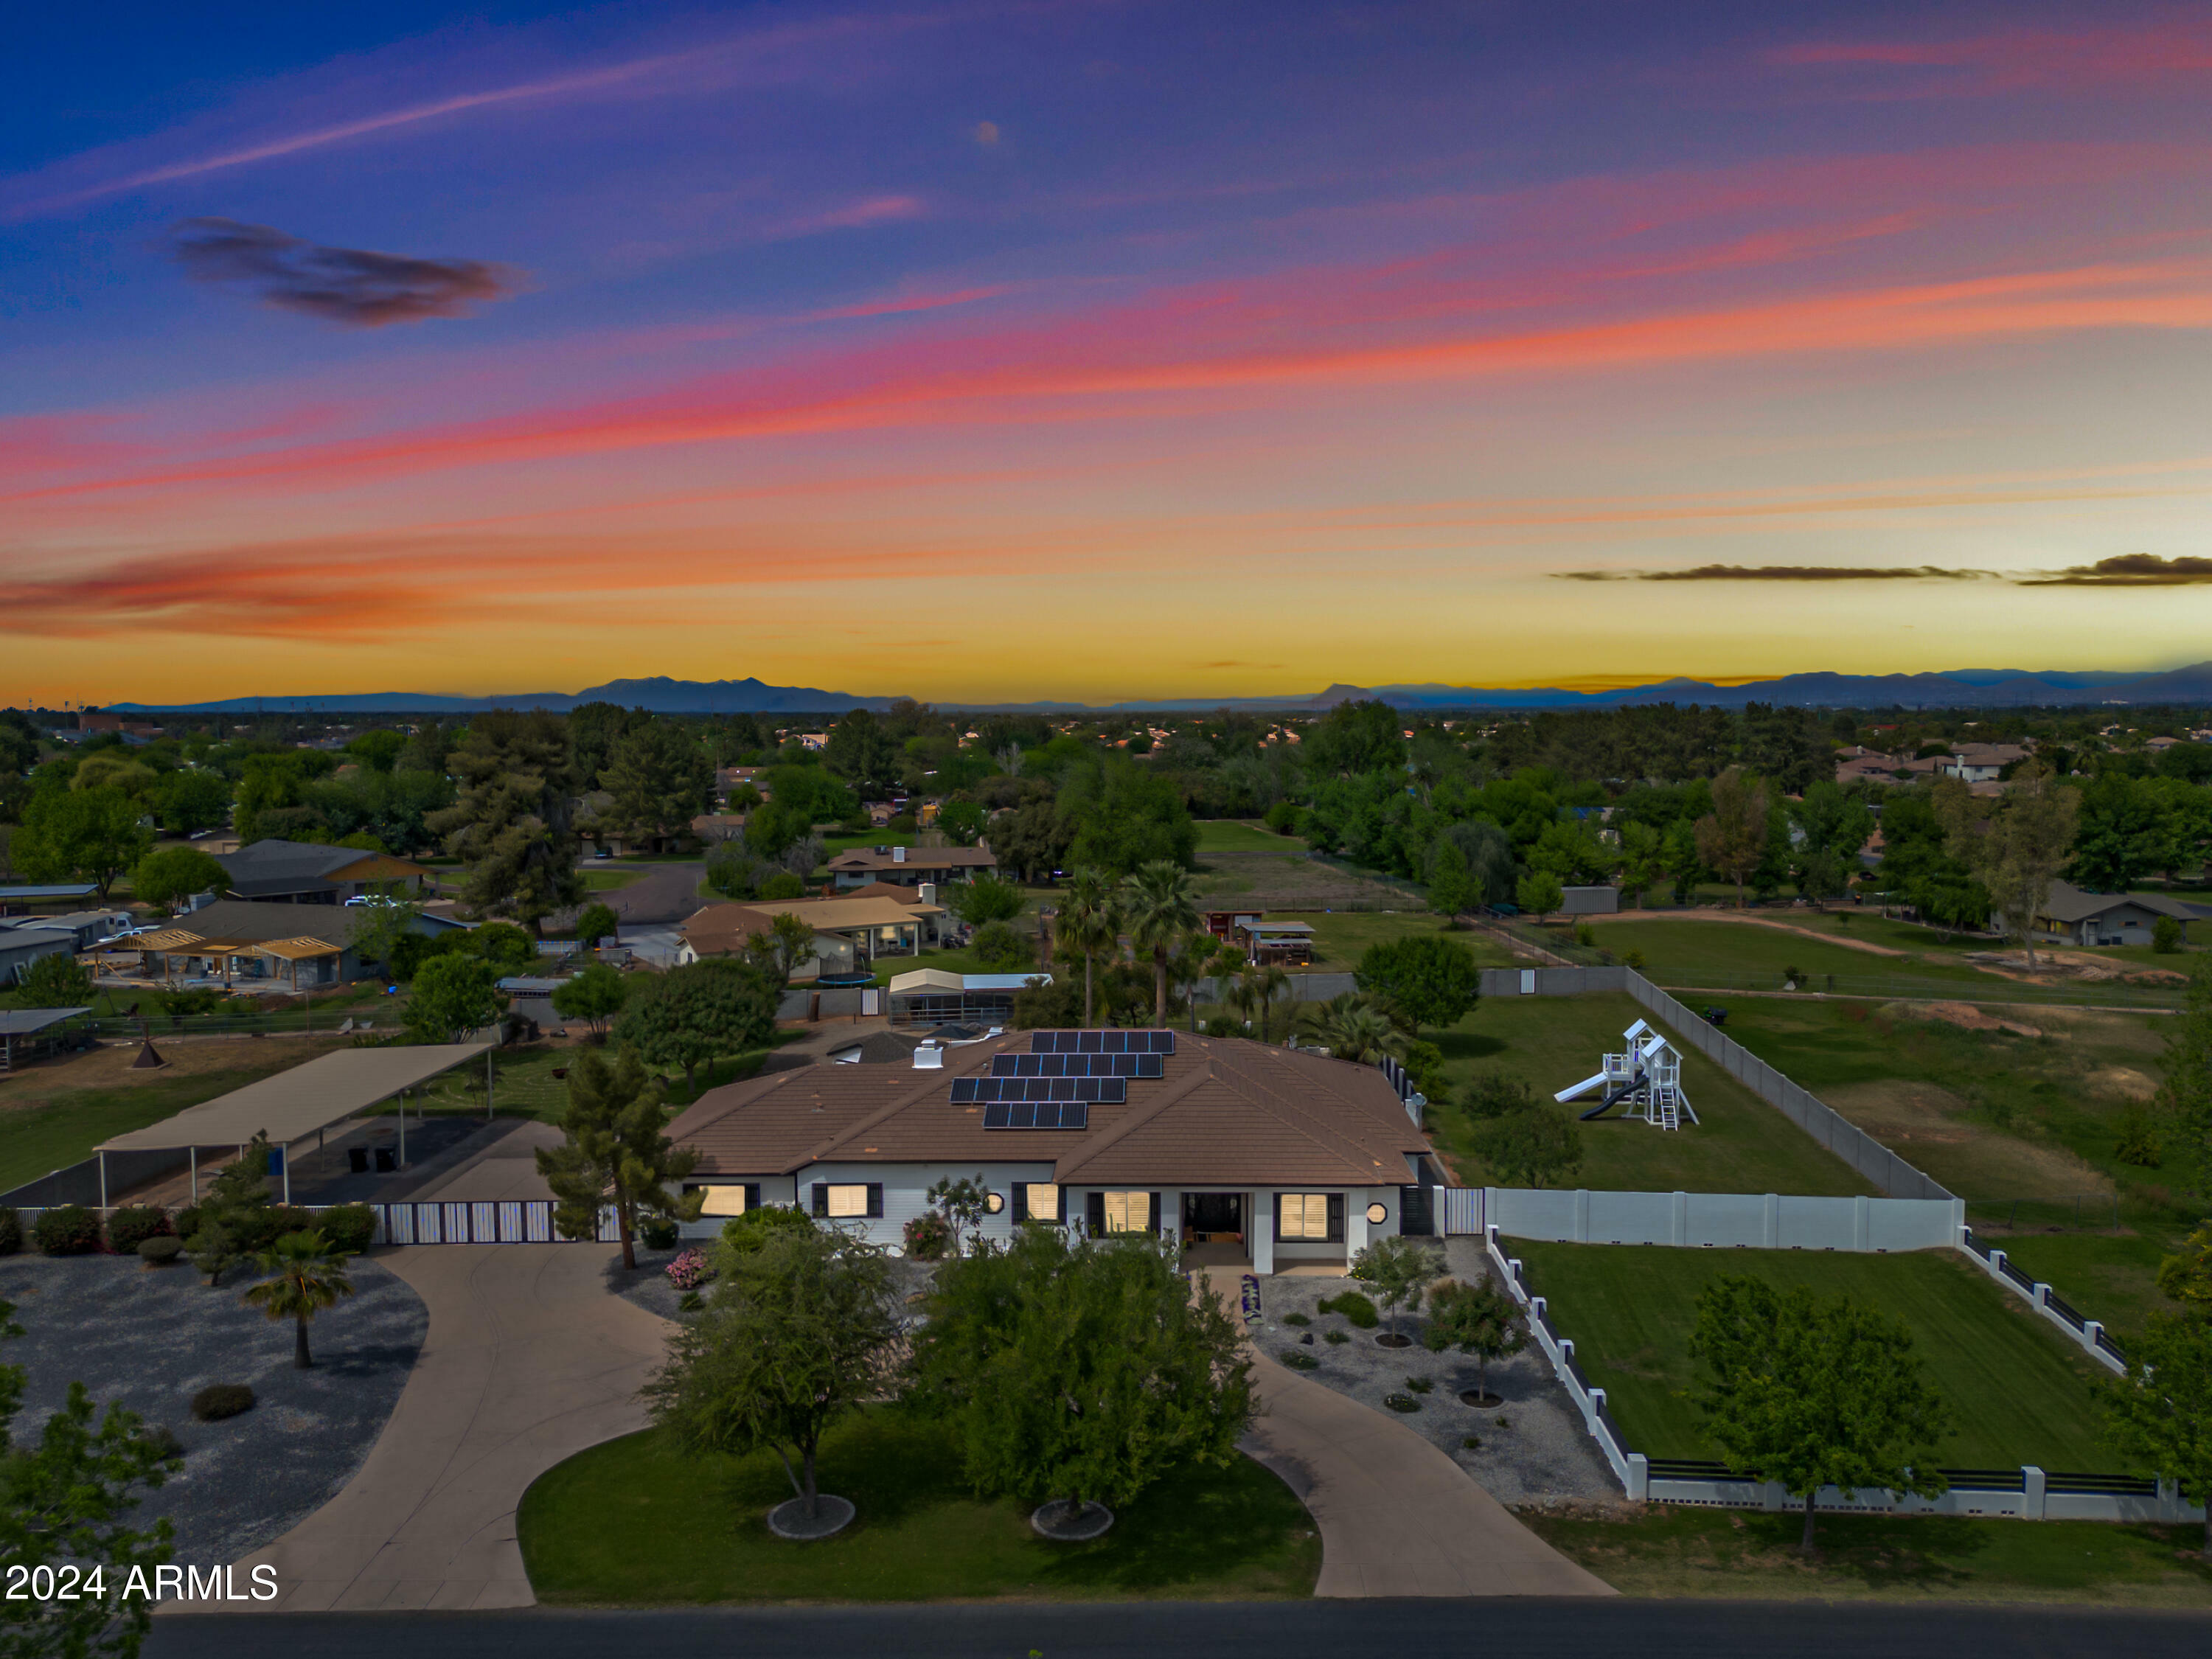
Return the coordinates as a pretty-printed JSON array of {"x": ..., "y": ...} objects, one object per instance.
[
  {"x": 302, "y": 872},
  {"x": 909, "y": 866},
  {"x": 1245, "y": 1153},
  {"x": 2072, "y": 916},
  {"x": 247, "y": 944}
]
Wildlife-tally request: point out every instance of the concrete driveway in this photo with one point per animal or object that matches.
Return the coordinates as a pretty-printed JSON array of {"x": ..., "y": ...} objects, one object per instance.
[{"x": 529, "y": 1360}]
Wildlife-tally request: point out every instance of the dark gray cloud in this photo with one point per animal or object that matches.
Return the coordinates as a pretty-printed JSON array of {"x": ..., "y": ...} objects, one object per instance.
[
  {"x": 1781, "y": 572},
  {"x": 346, "y": 285},
  {"x": 2128, "y": 570}
]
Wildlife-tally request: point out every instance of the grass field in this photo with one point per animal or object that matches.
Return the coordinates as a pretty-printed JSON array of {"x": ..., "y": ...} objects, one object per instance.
[
  {"x": 1740, "y": 1144},
  {"x": 1340, "y": 936},
  {"x": 1718, "y": 951},
  {"x": 2018, "y": 1394},
  {"x": 636, "y": 1522},
  {"x": 951, "y": 961},
  {"x": 1244, "y": 836},
  {"x": 1738, "y": 1554},
  {"x": 597, "y": 878}
]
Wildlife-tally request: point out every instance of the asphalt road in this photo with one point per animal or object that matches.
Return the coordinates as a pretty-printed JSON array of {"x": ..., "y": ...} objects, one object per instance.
[
  {"x": 1524, "y": 1629},
  {"x": 667, "y": 892}
]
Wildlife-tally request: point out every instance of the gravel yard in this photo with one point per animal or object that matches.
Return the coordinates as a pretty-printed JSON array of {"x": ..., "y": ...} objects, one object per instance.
[
  {"x": 150, "y": 1339},
  {"x": 1534, "y": 1448}
]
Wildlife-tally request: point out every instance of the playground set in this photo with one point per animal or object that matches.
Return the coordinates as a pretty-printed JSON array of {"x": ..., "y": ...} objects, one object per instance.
[{"x": 1646, "y": 1081}]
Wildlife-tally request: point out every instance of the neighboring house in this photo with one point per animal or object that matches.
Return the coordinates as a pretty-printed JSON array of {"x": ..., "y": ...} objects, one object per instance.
[
  {"x": 849, "y": 933},
  {"x": 240, "y": 943},
  {"x": 26, "y": 941},
  {"x": 1223, "y": 924},
  {"x": 302, "y": 872},
  {"x": 909, "y": 866},
  {"x": 713, "y": 828},
  {"x": 1277, "y": 943},
  {"x": 1980, "y": 762},
  {"x": 86, "y": 928},
  {"x": 1854, "y": 765},
  {"x": 1243, "y": 1152},
  {"x": 2071, "y": 916}
]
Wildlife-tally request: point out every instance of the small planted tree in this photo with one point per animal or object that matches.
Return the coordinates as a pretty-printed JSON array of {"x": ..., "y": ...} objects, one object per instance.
[
  {"x": 1479, "y": 1320},
  {"x": 234, "y": 1198},
  {"x": 698, "y": 1013},
  {"x": 615, "y": 1153},
  {"x": 1429, "y": 979},
  {"x": 793, "y": 1339},
  {"x": 1538, "y": 894},
  {"x": 307, "y": 1274},
  {"x": 1535, "y": 1148},
  {"x": 2161, "y": 1411},
  {"x": 964, "y": 1204},
  {"x": 782, "y": 950},
  {"x": 1398, "y": 1269},
  {"x": 1813, "y": 1392},
  {"x": 453, "y": 996},
  {"x": 595, "y": 922},
  {"x": 594, "y": 996},
  {"x": 1079, "y": 1373},
  {"x": 56, "y": 982}
]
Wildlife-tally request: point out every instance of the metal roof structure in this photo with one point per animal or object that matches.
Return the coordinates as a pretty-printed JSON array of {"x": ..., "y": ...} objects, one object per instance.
[
  {"x": 294, "y": 1104},
  {"x": 29, "y": 1022},
  {"x": 72, "y": 890}
]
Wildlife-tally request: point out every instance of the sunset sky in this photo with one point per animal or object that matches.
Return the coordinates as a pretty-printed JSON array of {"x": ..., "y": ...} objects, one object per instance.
[{"x": 1095, "y": 349}]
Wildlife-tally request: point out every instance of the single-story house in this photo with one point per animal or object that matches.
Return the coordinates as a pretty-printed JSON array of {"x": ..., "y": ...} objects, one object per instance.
[
  {"x": 849, "y": 933},
  {"x": 937, "y": 996},
  {"x": 25, "y": 943},
  {"x": 302, "y": 872},
  {"x": 1245, "y": 1153},
  {"x": 1979, "y": 762},
  {"x": 909, "y": 866},
  {"x": 1279, "y": 944},
  {"x": 86, "y": 928},
  {"x": 281, "y": 944},
  {"x": 1223, "y": 924},
  {"x": 2071, "y": 916}
]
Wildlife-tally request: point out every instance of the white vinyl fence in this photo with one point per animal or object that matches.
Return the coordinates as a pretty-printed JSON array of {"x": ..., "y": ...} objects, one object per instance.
[
  {"x": 1753, "y": 1221},
  {"x": 2028, "y": 1492}
]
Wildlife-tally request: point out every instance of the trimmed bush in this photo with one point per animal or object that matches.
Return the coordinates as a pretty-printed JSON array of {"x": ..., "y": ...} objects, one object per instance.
[
  {"x": 1401, "y": 1402},
  {"x": 160, "y": 1249},
  {"x": 11, "y": 1232},
  {"x": 1296, "y": 1319},
  {"x": 928, "y": 1236},
  {"x": 187, "y": 1221},
  {"x": 1298, "y": 1361},
  {"x": 258, "y": 1226},
  {"x": 1421, "y": 1384},
  {"x": 1221, "y": 1026},
  {"x": 129, "y": 1228},
  {"x": 220, "y": 1400},
  {"x": 350, "y": 1227},
  {"x": 1334, "y": 1338},
  {"x": 658, "y": 1232},
  {"x": 69, "y": 1229},
  {"x": 1354, "y": 1307},
  {"x": 751, "y": 1231}
]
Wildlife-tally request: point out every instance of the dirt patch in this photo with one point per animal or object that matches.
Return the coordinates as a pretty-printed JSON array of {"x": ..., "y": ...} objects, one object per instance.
[
  {"x": 2070, "y": 967},
  {"x": 1748, "y": 919},
  {"x": 1966, "y": 1015},
  {"x": 1932, "y": 1127},
  {"x": 2124, "y": 1081},
  {"x": 108, "y": 1067},
  {"x": 1904, "y": 1112}
]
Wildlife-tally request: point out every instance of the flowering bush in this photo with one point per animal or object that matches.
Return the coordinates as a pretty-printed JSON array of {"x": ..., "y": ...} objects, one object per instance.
[
  {"x": 689, "y": 1270},
  {"x": 928, "y": 1236}
]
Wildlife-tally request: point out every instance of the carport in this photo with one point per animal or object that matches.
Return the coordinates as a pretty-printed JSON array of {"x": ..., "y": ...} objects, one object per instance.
[{"x": 307, "y": 1100}]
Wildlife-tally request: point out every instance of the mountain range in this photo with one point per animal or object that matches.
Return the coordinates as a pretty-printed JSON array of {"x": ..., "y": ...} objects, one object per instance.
[{"x": 1965, "y": 688}]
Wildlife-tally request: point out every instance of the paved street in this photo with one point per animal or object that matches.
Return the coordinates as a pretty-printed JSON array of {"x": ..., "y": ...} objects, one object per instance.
[{"x": 1525, "y": 1627}]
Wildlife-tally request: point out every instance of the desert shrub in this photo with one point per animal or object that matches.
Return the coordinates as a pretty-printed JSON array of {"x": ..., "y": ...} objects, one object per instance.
[
  {"x": 1298, "y": 1361},
  {"x": 69, "y": 1229},
  {"x": 255, "y": 1229},
  {"x": 1401, "y": 1402},
  {"x": 129, "y": 1228},
  {"x": 2165, "y": 936},
  {"x": 1334, "y": 1338},
  {"x": 658, "y": 1232},
  {"x": 220, "y": 1400},
  {"x": 1282, "y": 818},
  {"x": 187, "y": 1222},
  {"x": 1221, "y": 1026},
  {"x": 1355, "y": 1308},
  {"x": 1421, "y": 1384},
  {"x": 350, "y": 1227},
  {"x": 999, "y": 948},
  {"x": 928, "y": 1236},
  {"x": 689, "y": 1270},
  {"x": 1296, "y": 1319},
  {"x": 1632, "y": 960},
  {"x": 1585, "y": 935},
  {"x": 1792, "y": 975},
  {"x": 160, "y": 1249},
  {"x": 751, "y": 1231},
  {"x": 2135, "y": 1139},
  {"x": 11, "y": 1232},
  {"x": 1471, "y": 1442}
]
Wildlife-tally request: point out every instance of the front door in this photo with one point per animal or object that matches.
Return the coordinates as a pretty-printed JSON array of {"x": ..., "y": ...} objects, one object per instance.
[{"x": 1215, "y": 1215}]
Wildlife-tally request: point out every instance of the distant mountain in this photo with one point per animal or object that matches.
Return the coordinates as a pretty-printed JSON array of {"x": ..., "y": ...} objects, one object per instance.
[{"x": 1965, "y": 688}]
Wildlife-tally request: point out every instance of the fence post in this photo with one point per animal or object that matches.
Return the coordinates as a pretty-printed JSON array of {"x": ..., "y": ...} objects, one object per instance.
[
  {"x": 1861, "y": 1215},
  {"x": 1639, "y": 1477},
  {"x": 1582, "y": 1215},
  {"x": 1680, "y": 1229},
  {"x": 1770, "y": 1222},
  {"x": 2034, "y": 1484}
]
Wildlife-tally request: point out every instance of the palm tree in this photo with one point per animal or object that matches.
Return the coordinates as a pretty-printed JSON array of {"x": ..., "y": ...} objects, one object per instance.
[
  {"x": 1159, "y": 908},
  {"x": 1090, "y": 924},
  {"x": 1357, "y": 1027},
  {"x": 306, "y": 1276},
  {"x": 1268, "y": 982}
]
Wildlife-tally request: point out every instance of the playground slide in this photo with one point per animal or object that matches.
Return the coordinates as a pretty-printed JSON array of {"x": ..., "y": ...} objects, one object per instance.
[
  {"x": 1611, "y": 1101},
  {"x": 1582, "y": 1088}
]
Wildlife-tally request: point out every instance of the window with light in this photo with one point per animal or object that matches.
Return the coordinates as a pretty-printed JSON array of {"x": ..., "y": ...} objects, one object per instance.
[
  {"x": 1303, "y": 1215},
  {"x": 1128, "y": 1212}
]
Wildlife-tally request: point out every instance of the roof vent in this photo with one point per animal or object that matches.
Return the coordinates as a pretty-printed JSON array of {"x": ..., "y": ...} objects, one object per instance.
[
  {"x": 929, "y": 1058},
  {"x": 898, "y": 855}
]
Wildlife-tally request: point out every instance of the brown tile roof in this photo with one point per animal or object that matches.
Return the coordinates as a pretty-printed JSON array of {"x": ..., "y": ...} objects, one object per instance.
[
  {"x": 979, "y": 857},
  {"x": 1227, "y": 1111},
  {"x": 880, "y": 890},
  {"x": 725, "y": 927}
]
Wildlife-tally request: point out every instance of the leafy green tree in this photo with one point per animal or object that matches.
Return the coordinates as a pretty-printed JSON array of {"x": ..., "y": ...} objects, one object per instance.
[
  {"x": 2017, "y": 849},
  {"x": 192, "y": 798},
  {"x": 1082, "y": 1372},
  {"x": 1814, "y": 1392},
  {"x": 615, "y": 1153},
  {"x": 1032, "y": 840},
  {"x": 1479, "y": 1320},
  {"x": 862, "y": 752},
  {"x": 230, "y": 1210},
  {"x": 1354, "y": 737},
  {"x": 1643, "y": 864},
  {"x": 999, "y": 948},
  {"x": 1732, "y": 838},
  {"x": 1158, "y": 907},
  {"x": 378, "y": 751},
  {"x": 1429, "y": 979},
  {"x": 93, "y": 834},
  {"x": 694, "y": 1015},
  {"x": 1834, "y": 826},
  {"x": 2186, "y": 1275},
  {"x": 512, "y": 823},
  {"x": 2161, "y": 1412},
  {"x": 56, "y": 982},
  {"x": 783, "y": 885},
  {"x": 594, "y": 996},
  {"x": 69, "y": 1498},
  {"x": 1452, "y": 889},
  {"x": 963, "y": 821},
  {"x": 2123, "y": 833},
  {"x": 658, "y": 778},
  {"x": 501, "y": 946},
  {"x": 306, "y": 1275},
  {"x": 1538, "y": 894},
  {"x": 1397, "y": 1270},
  {"x": 595, "y": 922},
  {"x": 794, "y": 1337},
  {"x": 966, "y": 1201},
  {"x": 1490, "y": 858},
  {"x": 1124, "y": 817},
  {"x": 986, "y": 899},
  {"x": 453, "y": 996},
  {"x": 1088, "y": 925},
  {"x": 378, "y": 928},
  {"x": 787, "y": 946},
  {"x": 1535, "y": 1148}
]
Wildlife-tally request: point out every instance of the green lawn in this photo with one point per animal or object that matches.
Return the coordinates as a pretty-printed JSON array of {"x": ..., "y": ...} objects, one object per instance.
[
  {"x": 1340, "y": 936},
  {"x": 1244, "y": 836},
  {"x": 1738, "y": 1144},
  {"x": 523, "y": 1085},
  {"x": 1665, "y": 1551},
  {"x": 635, "y": 1522},
  {"x": 833, "y": 845},
  {"x": 597, "y": 878},
  {"x": 2019, "y": 1392},
  {"x": 2100, "y": 1275},
  {"x": 951, "y": 961},
  {"x": 1721, "y": 952}
]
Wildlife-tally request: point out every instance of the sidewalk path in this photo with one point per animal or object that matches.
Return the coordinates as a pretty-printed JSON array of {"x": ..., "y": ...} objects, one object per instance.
[
  {"x": 529, "y": 1360},
  {"x": 1397, "y": 1516}
]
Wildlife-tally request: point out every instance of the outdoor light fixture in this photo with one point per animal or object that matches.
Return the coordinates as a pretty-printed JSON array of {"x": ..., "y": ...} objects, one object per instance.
[
  {"x": 994, "y": 1202},
  {"x": 1376, "y": 1214}
]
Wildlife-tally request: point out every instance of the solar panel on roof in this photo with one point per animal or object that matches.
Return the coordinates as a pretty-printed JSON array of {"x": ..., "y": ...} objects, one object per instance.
[
  {"x": 1036, "y": 1115},
  {"x": 985, "y": 1090},
  {"x": 1102, "y": 1043},
  {"x": 1058, "y": 1064}
]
